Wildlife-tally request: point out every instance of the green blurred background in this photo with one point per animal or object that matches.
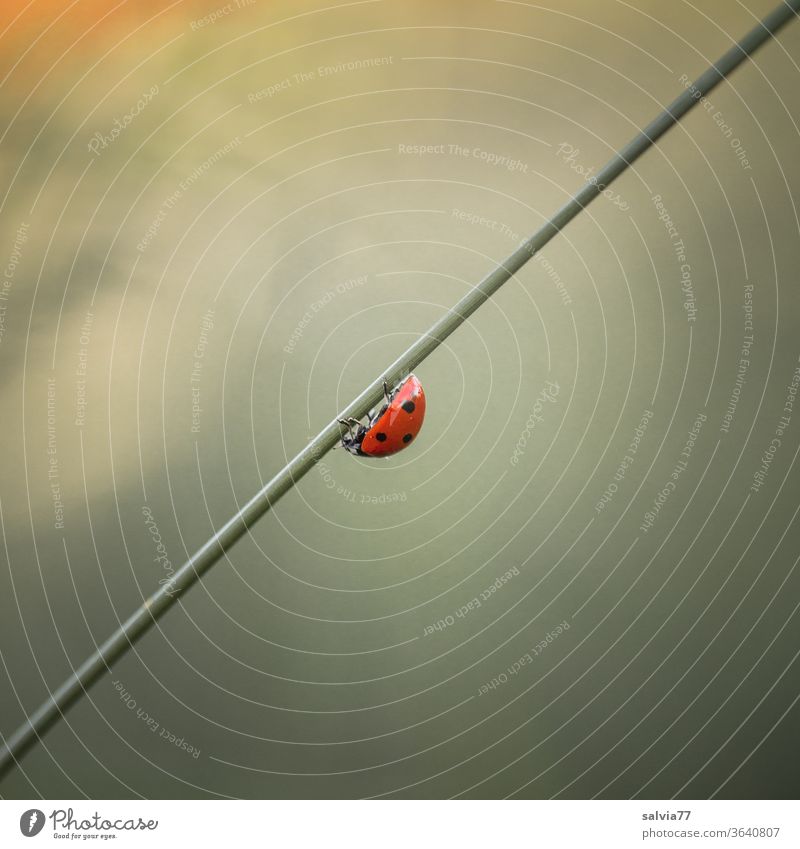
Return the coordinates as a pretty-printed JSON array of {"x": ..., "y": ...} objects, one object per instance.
[{"x": 294, "y": 192}]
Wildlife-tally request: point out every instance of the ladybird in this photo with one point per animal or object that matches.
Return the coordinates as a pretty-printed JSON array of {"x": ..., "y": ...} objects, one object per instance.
[{"x": 393, "y": 427}]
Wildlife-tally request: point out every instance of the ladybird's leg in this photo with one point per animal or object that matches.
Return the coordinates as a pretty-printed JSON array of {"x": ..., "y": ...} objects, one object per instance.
[
  {"x": 386, "y": 393},
  {"x": 349, "y": 437}
]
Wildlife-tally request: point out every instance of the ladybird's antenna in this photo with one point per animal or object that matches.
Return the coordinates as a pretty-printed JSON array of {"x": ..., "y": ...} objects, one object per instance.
[{"x": 160, "y": 601}]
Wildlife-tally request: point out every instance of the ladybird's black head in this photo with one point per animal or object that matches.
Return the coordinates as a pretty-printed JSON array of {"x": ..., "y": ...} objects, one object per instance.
[{"x": 352, "y": 441}]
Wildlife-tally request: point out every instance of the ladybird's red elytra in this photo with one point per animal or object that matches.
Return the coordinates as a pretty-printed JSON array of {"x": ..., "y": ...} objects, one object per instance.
[{"x": 392, "y": 428}]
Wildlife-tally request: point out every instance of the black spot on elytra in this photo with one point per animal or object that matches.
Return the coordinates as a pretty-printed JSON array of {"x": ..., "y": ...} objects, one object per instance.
[
  {"x": 381, "y": 437},
  {"x": 409, "y": 406},
  {"x": 408, "y": 437}
]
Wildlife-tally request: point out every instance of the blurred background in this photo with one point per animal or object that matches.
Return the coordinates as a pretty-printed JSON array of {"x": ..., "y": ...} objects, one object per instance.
[{"x": 220, "y": 221}]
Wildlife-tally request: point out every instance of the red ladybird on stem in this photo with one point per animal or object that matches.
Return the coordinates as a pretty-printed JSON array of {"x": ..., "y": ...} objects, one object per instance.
[{"x": 393, "y": 427}]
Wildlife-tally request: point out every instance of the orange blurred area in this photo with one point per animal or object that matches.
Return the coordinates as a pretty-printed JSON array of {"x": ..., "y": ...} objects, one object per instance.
[
  {"x": 16, "y": 14},
  {"x": 43, "y": 26}
]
